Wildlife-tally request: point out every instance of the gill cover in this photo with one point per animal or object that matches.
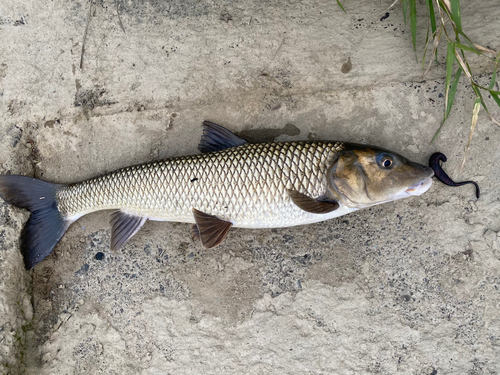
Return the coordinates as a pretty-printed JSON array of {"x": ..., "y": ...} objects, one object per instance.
[{"x": 346, "y": 179}]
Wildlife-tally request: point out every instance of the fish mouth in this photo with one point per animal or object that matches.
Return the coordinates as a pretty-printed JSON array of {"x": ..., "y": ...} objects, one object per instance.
[{"x": 420, "y": 187}]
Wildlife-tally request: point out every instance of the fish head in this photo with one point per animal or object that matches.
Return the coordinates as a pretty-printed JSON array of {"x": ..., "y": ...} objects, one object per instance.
[{"x": 362, "y": 176}]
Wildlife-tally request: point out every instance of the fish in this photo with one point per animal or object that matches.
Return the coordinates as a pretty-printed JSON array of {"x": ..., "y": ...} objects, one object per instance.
[{"x": 231, "y": 183}]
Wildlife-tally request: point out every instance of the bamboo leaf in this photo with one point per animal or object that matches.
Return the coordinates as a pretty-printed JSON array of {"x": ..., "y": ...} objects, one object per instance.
[
  {"x": 456, "y": 16},
  {"x": 413, "y": 22},
  {"x": 340, "y": 5},
  {"x": 475, "y": 116}
]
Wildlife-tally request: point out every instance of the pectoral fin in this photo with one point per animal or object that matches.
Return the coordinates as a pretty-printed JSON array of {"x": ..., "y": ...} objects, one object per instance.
[
  {"x": 314, "y": 206},
  {"x": 212, "y": 230},
  {"x": 123, "y": 227}
]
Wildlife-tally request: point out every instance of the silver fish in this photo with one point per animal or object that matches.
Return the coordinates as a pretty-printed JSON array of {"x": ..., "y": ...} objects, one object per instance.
[{"x": 230, "y": 184}]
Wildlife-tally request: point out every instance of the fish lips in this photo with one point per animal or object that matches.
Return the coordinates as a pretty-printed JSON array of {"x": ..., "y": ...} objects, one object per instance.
[{"x": 420, "y": 187}]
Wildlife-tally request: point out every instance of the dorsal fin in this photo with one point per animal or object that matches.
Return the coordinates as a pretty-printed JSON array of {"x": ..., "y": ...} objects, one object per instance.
[
  {"x": 211, "y": 229},
  {"x": 314, "y": 206},
  {"x": 123, "y": 227},
  {"x": 216, "y": 138}
]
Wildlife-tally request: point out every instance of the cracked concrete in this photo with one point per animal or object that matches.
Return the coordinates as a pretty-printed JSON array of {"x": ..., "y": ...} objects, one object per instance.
[{"x": 406, "y": 287}]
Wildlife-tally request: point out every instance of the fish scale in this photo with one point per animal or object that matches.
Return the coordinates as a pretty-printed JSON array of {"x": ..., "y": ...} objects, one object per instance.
[{"x": 246, "y": 185}]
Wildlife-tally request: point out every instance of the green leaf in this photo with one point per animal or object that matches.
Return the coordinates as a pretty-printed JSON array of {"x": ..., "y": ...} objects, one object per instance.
[
  {"x": 449, "y": 101},
  {"x": 443, "y": 7},
  {"x": 425, "y": 48},
  {"x": 340, "y": 5},
  {"x": 496, "y": 98},
  {"x": 455, "y": 12},
  {"x": 493, "y": 78},
  {"x": 475, "y": 86},
  {"x": 450, "y": 59},
  {"x": 432, "y": 15},
  {"x": 480, "y": 96},
  {"x": 494, "y": 75},
  {"x": 467, "y": 48},
  {"x": 413, "y": 22},
  {"x": 405, "y": 11},
  {"x": 453, "y": 90},
  {"x": 467, "y": 39}
]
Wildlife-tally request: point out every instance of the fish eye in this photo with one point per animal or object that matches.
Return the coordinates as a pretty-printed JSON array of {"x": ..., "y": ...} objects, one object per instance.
[{"x": 385, "y": 161}]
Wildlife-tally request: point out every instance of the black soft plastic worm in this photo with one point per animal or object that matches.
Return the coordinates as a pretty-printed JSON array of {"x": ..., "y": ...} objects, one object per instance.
[{"x": 441, "y": 174}]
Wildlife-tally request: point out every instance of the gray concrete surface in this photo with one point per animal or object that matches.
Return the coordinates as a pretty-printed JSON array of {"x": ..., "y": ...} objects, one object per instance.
[{"x": 410, "y": 287}]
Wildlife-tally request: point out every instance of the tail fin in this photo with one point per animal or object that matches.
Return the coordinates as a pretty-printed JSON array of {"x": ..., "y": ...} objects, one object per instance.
[{"x": 46, "y": 226}]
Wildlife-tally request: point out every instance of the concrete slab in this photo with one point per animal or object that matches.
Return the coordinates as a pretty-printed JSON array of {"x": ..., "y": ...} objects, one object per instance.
[{"x": 406, "y": 287}]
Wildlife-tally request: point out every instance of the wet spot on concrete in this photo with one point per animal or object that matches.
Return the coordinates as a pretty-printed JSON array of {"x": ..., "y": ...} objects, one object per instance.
[
  {"x": 268, "y": 135},
  {"x": 346, "y": 67},
  {"x": 49, "y": 124}
]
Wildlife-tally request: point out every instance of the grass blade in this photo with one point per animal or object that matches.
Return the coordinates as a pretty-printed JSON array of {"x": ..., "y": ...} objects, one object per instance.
[
  {"x": 486, "y": 51},
  {"x": 467, "y": 48},
  {"x": 475, "y": 116},
  {"x": 413, "y": 22},
  {"x": 464, "y": 67},
  {"x": 450, "y": 59},
  {"x": 453, "y": 90},
  {"x": 494, "y": 75},
  {"x": 493, "y": 78},
  {"x": 496, "y": 98},
  {"x": 449, "y": 100},
  {"x": 340, "y": 5},
  {"x": 432, "y": 15},
  {"x": 455, "y": 13},
  {"x": 480, "y": 97},
  {"x": 425, "y": 48},
  {"x": 405, "y": 11}
]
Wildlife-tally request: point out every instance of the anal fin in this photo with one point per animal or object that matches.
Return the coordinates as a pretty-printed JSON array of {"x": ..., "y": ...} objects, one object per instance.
[
  {"x": 314, "y": 206},
  {"x": 211, "y": 229},
  {"x": 123, "y": 227}
]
